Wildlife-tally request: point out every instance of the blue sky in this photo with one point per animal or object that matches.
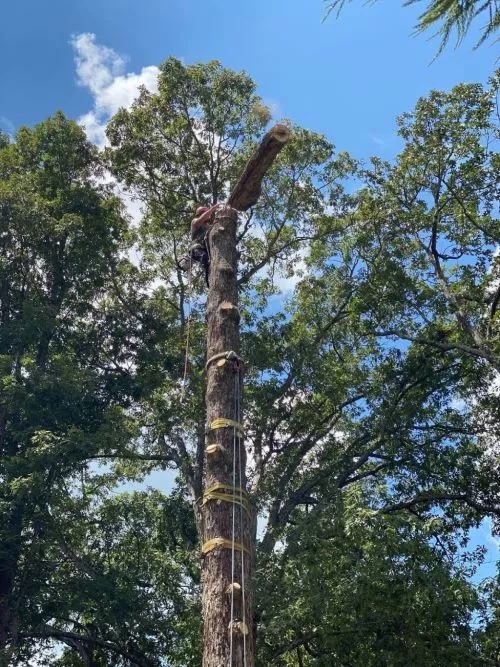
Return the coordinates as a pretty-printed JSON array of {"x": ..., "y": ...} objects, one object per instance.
[{"x": 348, "y": 78}]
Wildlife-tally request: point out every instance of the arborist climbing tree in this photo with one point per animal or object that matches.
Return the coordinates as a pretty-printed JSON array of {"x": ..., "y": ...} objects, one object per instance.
[
  {"x": 228, "y": 522},
  {"x": 198, "y": 252}
]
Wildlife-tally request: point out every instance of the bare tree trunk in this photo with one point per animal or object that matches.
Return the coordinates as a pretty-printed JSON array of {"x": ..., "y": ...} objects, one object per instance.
[
  {"x": 229, "y": 525},
  {"x": 228, "y": 642}
]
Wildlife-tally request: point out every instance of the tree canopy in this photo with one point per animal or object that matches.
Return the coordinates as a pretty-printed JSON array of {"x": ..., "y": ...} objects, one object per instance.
[{"x": 371, "y": 389}]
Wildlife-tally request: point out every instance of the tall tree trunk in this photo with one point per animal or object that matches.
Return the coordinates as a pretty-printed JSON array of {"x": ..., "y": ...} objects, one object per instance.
[{"x": 228, "y": 642}]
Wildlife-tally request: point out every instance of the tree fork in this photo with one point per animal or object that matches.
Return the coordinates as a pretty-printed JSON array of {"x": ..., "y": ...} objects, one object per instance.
[{"x": 221, "y": 592}]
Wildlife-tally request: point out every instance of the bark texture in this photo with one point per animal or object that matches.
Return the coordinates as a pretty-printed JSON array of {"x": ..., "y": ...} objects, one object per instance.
[
  {"x": 223, "y": 336},
  {"x": 247, "y": 190},
  {"x": 224, "y": 459}
]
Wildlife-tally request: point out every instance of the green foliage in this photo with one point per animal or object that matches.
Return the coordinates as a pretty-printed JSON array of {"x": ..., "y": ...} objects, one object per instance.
[
  {"x": 134, "y": 582},
  {"x": 379, "y": 378},
  {"x": 368, "y": 590},
  {"x": 64, "y": 396},
  {"x": 370, "y": 417}
]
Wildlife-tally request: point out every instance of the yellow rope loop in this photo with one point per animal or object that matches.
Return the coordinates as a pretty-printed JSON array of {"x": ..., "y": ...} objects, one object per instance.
[
  {"x": 220, "y": 492},
  {"x": 227, "y": 487},
  {"x": 222, "y": 422},
  {"x": 224, "y": 497},
  {"x": 223, "y": 543}
]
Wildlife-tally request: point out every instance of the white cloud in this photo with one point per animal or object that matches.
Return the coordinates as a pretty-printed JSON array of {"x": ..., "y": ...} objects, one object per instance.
[
  {"x": 95, "y": 128},
  {"x": 102, "y": 71},
  {"x": 96, "y": 65}
]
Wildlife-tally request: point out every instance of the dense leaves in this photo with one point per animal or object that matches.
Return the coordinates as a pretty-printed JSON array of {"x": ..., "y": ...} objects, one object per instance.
[
  {"x": 402, "y": 598},
  {"x": 369, "y": 303},
  {"x": 65, "y": 393}
]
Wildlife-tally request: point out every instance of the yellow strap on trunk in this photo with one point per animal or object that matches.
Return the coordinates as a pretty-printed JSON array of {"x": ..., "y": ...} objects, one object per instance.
[
  {"x": 222, "y": 422},
  {"x": 220, "y": 485},
  {"x": 219, "y": 492},
  {"x": 223, "y": 543},
  {"x": 226, "y": 498}
]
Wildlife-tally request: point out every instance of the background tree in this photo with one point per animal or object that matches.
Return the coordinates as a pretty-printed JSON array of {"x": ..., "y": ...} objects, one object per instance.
[
  {"x": 64, "y": 391},
  {"x": 359, "y": 587}
]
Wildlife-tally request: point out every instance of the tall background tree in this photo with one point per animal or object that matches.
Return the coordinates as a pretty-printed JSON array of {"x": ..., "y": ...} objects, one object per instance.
[
  {"x": 58, "y": 231},
  {"x": 331, "y": 404},
  {"x": 67, "y": 387}
]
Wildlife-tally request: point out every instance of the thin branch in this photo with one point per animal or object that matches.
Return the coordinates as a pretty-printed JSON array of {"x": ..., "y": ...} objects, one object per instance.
[
  {"x": 472, "y": 351},
  {"x": 295, "y": 643},
  {"x": 437, "y": 497},
  {"x": 52, "y": 633}
]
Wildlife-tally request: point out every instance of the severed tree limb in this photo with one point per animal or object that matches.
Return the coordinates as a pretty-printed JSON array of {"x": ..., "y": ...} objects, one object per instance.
[{"x": 247, "y": 190}]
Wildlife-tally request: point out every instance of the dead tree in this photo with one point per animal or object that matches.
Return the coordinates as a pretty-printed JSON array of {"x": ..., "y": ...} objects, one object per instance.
[{"x": 228, "y": 520}]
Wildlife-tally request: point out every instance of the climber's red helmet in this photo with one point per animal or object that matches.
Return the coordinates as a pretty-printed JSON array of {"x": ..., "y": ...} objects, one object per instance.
[{"x": 201, "y": 209}]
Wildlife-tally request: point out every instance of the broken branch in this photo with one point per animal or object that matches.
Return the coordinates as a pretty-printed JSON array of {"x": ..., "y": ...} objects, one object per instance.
[{"x": 247, "y": 190}]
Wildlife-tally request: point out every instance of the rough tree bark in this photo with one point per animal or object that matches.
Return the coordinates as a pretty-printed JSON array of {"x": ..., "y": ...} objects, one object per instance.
[
  {"x": 222, "y": 592},
  {"x": 223, "y": 336}
]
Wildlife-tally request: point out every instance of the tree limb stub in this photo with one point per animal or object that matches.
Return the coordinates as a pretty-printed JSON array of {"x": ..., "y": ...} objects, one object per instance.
[{"x": 247, "y": 190}]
